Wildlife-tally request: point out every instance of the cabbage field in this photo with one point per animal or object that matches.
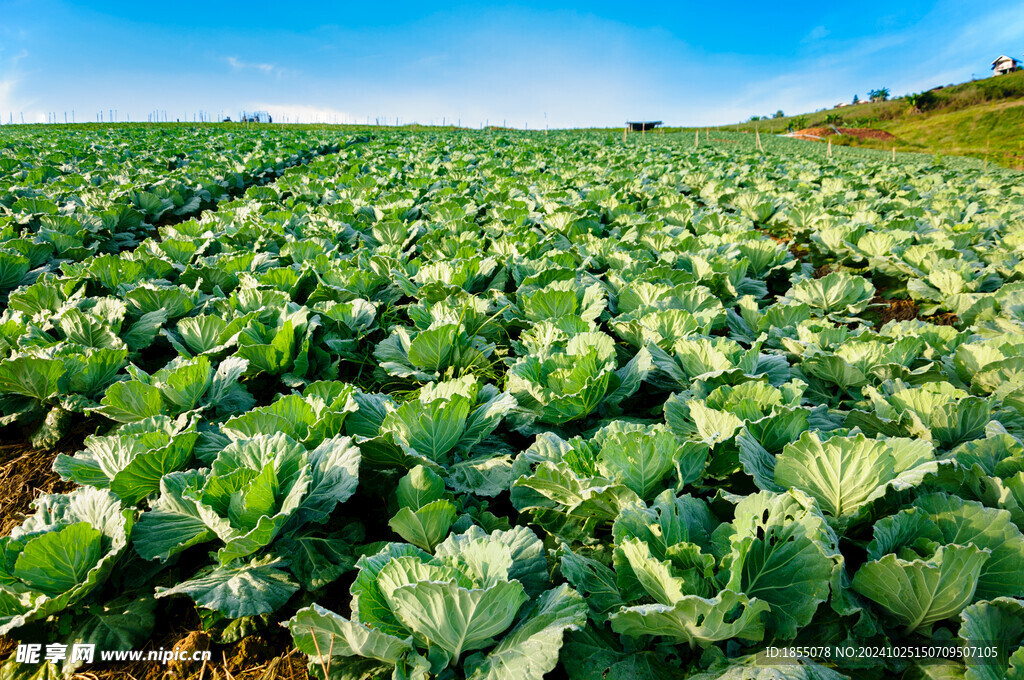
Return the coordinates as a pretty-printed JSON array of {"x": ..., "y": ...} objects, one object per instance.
[{"x": 498, "y": 405}]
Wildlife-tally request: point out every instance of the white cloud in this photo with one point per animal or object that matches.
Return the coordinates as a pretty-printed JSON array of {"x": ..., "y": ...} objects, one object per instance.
[
  {"x": 13, "y": 107},
  {"x": 817, "y": 33},
  {"x": 304, "y": 113},
  {"x": 6, "y": 87},
  {"x": 1000, "y": 30},
  {"x": 819, "y": 82},
  {"x": 943, "y": 78},
  {"x": 431, "y": 60},
  {"x": 235, "y": 62},
  {"x": 262, "y": 67}
]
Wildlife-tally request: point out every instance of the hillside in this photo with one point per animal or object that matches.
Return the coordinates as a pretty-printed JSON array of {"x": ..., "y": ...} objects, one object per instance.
[{"x": 983, "y": 119}]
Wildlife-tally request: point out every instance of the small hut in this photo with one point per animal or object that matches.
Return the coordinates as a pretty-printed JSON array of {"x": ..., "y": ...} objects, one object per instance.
[{"x": 642, "y": 125}]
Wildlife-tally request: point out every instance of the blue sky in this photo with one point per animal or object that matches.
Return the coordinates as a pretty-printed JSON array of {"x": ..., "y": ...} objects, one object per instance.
[{"x": 529, "y": 63}]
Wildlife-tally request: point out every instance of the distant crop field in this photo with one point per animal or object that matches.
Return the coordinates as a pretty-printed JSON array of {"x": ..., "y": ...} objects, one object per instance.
[{"x": 380, "y": 403}]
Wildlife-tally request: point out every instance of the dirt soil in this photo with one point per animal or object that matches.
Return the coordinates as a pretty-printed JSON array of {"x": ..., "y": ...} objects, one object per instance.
[
  {"x": 25, "y": 473},
  {"x": 799, "y": 252},
  {"x": 816, "y": 133},
  {"x": 255, "y": 657},
  {"x": 944, "y": 319},
  {"x": 823, "y": 271},
  {"x": 263, "y": 656},
  {"x": 250, "y": 659},
  {"x": 899, "y": 310}
]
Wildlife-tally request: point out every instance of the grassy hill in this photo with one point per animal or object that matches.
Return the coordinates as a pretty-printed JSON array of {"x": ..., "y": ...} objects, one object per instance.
[{"x": 982, "y": 118}]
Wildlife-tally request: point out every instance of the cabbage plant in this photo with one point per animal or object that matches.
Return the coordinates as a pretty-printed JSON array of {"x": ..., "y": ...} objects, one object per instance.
[
  {"x": 935, "y": 411},
  {"x": 846, "y": 474},
  {"x": 838, "y": 296},
  {"x": 714, "y": 361},
  {"x": 570, "y": 385},
  {"x": 252, "y": 490},
  {"x": 132, "y": 460},
  {"x": 999, "y": 621},
  {"x": 477, "y": 605},
  {"x": 442, "y": 351},
  {"x": 183, "y": 385},
  {"x": 571, "y": 488},
  {"x": 928, "y": 562},
  {"x": 61, "y": 554},
  {"x": 281, "y": 469},
  {"x": 765, "y": 572},
  {"x": 446, "y": 429}
]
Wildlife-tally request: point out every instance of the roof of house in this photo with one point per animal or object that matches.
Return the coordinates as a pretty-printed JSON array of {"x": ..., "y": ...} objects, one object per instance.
[{"x": 1003, "y": 57}]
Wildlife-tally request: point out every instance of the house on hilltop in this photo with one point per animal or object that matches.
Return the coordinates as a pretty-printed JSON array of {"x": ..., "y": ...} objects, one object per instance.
[{"x": 1004, "y": 64}]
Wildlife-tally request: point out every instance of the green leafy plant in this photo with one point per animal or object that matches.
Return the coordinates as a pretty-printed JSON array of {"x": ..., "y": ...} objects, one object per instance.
[{"x": 476, "y": 604}]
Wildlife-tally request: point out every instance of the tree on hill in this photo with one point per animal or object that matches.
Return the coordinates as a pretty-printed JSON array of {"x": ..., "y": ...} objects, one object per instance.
[
  {"x": 916, "y": 103},
  {"x": 856, "y": 99},
  {"x": 779, "y": 114},
  {"x": 879, "y": 95}
]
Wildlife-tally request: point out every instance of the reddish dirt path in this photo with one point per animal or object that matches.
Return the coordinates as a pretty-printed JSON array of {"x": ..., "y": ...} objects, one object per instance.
[{"x": 816, "y": 133}]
